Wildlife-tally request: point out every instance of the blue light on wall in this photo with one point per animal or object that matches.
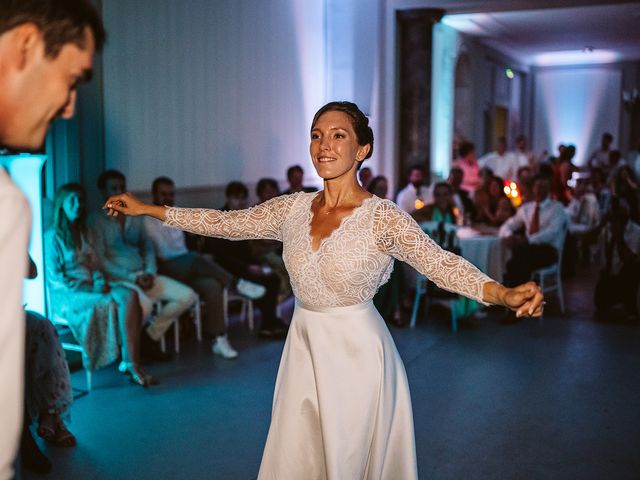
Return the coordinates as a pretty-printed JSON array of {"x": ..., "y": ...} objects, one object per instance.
[
  {"x": 26, "y": 172},
  {"x": 445, "y": 49},
  {"x": 575, "y": 106}
]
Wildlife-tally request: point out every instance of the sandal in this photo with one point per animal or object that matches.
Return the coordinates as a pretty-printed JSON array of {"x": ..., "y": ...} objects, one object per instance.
[
  {"x": 60, "y": 437},
  {"x": 136, "y": 375},
  {"x": 64, "y": 438}
]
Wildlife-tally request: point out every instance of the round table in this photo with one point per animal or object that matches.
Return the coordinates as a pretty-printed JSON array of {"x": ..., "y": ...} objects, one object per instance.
[{"x": 484, "y": 249}]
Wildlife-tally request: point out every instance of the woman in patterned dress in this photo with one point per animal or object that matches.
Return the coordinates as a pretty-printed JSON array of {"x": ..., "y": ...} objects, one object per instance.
[
  {"x": 105, "y": 318},
  {"x": 341, "y": 407}
]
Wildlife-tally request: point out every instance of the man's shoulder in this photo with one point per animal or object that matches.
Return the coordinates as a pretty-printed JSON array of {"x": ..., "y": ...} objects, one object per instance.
[
  {"x": 405, "y": 189},
  {"x": 8, "y": 189},
  {"x": 12, "y": 201}
]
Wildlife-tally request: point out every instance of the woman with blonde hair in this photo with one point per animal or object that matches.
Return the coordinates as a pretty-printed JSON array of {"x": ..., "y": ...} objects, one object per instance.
[{"x": 105, "y": 318}]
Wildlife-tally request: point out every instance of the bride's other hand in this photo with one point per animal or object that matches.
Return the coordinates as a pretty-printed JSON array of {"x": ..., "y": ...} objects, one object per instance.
[{"x": 125, "y": 203}]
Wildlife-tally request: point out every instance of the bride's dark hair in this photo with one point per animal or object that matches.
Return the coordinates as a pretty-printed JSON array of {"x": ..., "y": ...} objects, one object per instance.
[{"x": 359, "y": 121}]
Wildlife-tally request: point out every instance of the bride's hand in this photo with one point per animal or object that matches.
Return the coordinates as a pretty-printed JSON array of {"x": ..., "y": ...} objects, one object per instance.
[
  {"x": 125, "y": 203},
  {"x": 525, "y": 300}
]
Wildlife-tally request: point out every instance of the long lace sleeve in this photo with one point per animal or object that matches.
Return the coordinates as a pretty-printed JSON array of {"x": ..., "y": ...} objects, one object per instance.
[
  {"x": 263, "y": 221},
  {"x": 398, "y": 235}
]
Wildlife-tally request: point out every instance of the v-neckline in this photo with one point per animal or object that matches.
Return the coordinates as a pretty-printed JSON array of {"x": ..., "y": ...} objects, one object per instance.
[{"x": 343, "y": 220}]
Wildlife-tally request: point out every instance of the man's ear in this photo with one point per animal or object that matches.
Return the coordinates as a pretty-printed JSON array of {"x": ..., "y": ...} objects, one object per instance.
[{"x": 26, "y": 44}]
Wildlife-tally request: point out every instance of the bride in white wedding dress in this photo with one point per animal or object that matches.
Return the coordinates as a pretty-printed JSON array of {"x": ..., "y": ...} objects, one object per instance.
[{"x": 341, "y": 407}]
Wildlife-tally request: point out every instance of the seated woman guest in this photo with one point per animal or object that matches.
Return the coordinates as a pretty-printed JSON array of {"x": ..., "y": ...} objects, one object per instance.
[
  {"x": 105, "y": 318},
  {"x": 442, "y": 209},
  {"x": 492, "y": 206},
  {"x": 48, "y": 393}
]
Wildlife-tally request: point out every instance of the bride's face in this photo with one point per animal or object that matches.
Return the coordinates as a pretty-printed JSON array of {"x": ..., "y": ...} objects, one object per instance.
[{"x": 334, "y": 146}]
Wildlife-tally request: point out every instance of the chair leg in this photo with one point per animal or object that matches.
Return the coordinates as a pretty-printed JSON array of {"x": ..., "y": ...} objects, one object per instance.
[
  {"x": 560, "y": 292},
  {"x": 250, "y": 316},
  {"x": 176, "y": 335},
  {"x": 416, "y": 306},
  {"x": 225, "y": 306},
  {"x": 197, "y": 320},
  {"x": 163, "y": 347},
  {"x": 454, "y": 318},
  {"x": 243, "y": 311},
  {"x": 88, "y": 380}
]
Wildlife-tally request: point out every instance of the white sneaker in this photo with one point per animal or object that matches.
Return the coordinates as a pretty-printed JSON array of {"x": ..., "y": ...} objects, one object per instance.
[
  {"x": 250, "y": 290},
  {"x": 222, "y": 347}
]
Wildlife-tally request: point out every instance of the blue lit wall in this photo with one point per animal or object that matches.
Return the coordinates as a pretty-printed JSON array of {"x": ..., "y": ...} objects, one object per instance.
[
  {"x": 25, "y": 170},
  {"x": 575, "y": 106}
]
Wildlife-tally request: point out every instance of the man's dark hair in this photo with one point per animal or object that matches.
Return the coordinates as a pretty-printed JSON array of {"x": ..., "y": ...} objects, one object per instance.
[
  {"x": 420, "y": 168},
  {"x": 607, "y": 137},
  {"x": 266, "y": 182},
  {"x": 293, "y": 169},
  {"x": 236, "y": 189},
  {"x": 108, "y": 175},
  {"x": 160, "y": 181},
  {"x": 60, "y": 21},
  {"x": 465, "y": 149}
]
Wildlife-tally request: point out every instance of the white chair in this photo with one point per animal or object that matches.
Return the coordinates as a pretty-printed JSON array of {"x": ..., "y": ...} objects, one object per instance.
[
  {"x": 422, "y": 290},
  {"x": 550, "y": 278},
  {"x": 246, "y": 307},
  {"x": 196, "y": 316},
  {"x": 62, "y": 327}
]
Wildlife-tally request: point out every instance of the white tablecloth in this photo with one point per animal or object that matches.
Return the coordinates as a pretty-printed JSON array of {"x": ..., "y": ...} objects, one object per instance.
[{"x": 485, "y": 251}]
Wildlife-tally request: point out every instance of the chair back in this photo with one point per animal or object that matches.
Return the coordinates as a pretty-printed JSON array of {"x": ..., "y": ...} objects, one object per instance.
[{"x": 444, "y": 234}]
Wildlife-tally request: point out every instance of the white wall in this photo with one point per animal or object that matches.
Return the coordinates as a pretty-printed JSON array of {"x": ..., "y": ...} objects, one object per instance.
[
  {"x": 575, "y": 105},
  {"x": 209, "y": 91}
]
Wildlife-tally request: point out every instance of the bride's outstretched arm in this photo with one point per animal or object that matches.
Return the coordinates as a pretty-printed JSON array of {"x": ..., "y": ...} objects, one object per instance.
[
  {"x": 400, "y": 236},
  {"x": 262, "y": 221}
]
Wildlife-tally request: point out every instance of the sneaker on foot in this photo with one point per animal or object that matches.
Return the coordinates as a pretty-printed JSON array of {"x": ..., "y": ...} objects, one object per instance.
[
  {"x": 222, "y": 347},
  {"x": 250, "y": 290}
]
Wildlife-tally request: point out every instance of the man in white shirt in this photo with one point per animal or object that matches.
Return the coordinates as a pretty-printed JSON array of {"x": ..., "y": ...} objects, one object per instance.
[
  {"x": 524, "y": 156},
  {"x": 415, "y": 195},
  {"x": 599, "y": 158},
  {"x": 503, "y": 164},
  {"x": 583, "y": 213},
  {"x": 206, "y": 277},
  {"x": 620, "y": 277},
  {"x": 46, "y": 50},
  {"x": 583, "y": 210},
  {"x": 535, "y": 234},
  {"x": 127, "y": 255}
]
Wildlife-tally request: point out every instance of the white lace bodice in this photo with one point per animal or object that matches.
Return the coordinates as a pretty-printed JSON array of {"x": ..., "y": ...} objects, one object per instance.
[{"x": 353, "y": 262}]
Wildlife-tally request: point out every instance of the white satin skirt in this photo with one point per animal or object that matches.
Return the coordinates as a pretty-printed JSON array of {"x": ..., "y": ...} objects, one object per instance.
[{"x": 341, "y": 407}]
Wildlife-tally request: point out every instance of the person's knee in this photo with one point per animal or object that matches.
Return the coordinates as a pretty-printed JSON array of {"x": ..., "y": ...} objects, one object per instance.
[
  {"x": 189, "y": 298},
  {"x": 126, "y": 296}
]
